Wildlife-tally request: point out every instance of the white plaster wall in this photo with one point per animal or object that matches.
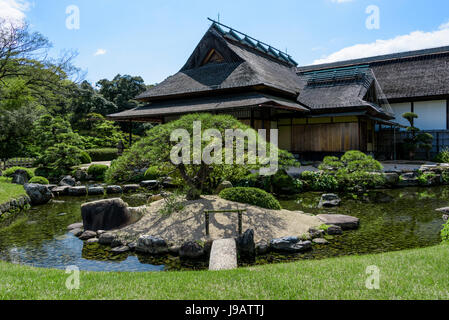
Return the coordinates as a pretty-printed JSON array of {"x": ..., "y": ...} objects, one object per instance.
[
  {"x": 432, "y": 115},
  {"x": 399, "y": 109}
]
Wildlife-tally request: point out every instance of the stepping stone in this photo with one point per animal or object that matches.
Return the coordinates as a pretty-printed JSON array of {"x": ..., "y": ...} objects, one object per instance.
[
  {"x": 121, "y": 249},
  {"x": 320, "y": 241},
  {"x": 342, "y": 221},
  {"x": 78, "y": 225},
  {"x": 149, "y": 184},
  {"x": 77, "y": 191},
  {"x": 223, "y": 255},
  {"x": 95, "y": 191},
  {"x": 114, "y": 190},
  {"x": 60, "y": 191},
  {"x": 131, "y": 188}
]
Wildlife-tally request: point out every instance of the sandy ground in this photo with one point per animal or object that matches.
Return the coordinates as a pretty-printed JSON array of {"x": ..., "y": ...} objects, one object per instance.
[{"x": 189, "y": 224}]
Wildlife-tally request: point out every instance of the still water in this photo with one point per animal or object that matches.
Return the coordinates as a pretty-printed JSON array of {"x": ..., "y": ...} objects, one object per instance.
[{"x": 390, "y": 220}]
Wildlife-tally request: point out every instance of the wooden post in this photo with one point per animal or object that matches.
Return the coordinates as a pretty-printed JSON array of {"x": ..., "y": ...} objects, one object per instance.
[
  {"x": 207, "y": 223},
  {"x": 240, "y": 223},
  {"x": 130, "y": 134},
  {"x": 252, "y": 124}
]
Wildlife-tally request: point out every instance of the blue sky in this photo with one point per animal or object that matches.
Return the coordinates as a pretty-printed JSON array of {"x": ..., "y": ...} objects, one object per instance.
[{"x": 154, "y": 38}]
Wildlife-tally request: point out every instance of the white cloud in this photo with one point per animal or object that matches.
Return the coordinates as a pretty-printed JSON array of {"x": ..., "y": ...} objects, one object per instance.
[
  {"x": 14, "y": 10},
  {"x": 416, "y": 40},
  {"x": 100, "y": 52},
  {"x": 444, "y": 26},
  {"x": 341, "y": 1}
]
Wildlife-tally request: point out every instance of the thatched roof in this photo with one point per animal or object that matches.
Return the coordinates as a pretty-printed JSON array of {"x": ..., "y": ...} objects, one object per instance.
[
  {"x": 243, "y": 66},
  {"x": 161, "y": 108},
  {"x": 408, "y": 75},
  {"x": 229, "y": 69},
  {"x": 334, "y": 89}
]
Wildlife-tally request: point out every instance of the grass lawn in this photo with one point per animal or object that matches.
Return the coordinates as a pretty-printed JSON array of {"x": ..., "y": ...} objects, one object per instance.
[
  {"x": 9, "y": 191},
  {"x": 413, "y": 274}
]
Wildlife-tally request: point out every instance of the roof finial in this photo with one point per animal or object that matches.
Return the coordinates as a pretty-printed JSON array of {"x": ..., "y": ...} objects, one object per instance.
[{"x": 219, "y": 17}]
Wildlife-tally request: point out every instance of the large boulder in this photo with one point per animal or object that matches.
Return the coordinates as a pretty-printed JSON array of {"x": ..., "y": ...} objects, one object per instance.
[
  {"x": 224, "y": 185},
  {"x": 191, "y": 250},
  {"x": 391, "y": 178},
  {"x": 342, "y": 221},
  {"x": 329, "y": 200},
  {"x": 107, "y": 215},
  {"x": 246, "y": 245},
  {"x": 68, "y": 181},
  {"x": 39, "y": 194},
  {"x": 290, "y": 245},
  {"x": 151, "y": 245},
  {"x": 20, "y": 177}
]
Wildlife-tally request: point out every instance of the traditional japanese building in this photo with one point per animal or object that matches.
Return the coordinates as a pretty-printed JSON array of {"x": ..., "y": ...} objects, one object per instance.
[{"x": 319, "y": 110}]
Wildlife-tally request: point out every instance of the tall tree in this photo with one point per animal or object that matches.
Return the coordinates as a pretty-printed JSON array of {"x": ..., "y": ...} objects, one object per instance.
[
  {"x": 122, "y": 90},
  {"x": 87, "y": 100}
]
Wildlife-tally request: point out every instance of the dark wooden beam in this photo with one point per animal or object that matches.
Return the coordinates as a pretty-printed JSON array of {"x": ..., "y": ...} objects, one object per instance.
[
  {"x": 130, "y": 134},
  {"x": 447, "y": 114}
]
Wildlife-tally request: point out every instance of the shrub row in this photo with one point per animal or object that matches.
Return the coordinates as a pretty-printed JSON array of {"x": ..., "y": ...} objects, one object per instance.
[{"x": 105, "y": 154}]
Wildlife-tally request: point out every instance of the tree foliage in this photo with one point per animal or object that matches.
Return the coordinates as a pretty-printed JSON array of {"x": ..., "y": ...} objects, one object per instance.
[{"x": 155, "y": 150}]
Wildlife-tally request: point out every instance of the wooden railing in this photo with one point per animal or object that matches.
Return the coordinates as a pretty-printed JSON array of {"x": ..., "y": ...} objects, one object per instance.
[
  {"x": 240, "y": 215},
  {"x": 18, "y": 162}
]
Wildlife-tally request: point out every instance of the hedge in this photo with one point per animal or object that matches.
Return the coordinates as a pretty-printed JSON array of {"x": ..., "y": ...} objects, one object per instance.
[{"x": 105, "y": 154}]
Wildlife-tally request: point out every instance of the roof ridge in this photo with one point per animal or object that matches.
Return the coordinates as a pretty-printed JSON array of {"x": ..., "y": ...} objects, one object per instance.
[
  {"x": 253, "y": 43},
  {"x": 376, "y": 59}
]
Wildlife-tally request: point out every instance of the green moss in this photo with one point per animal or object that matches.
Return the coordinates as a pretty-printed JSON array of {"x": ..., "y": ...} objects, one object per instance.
[
  {"x": 39, "y": 180},
  {"x": 98, "y": 171},
  {"x": 10, "y": 171},
  {"x": 9, "y": 191}
]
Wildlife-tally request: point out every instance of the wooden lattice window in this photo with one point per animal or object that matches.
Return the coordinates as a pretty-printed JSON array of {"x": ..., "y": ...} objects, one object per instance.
[{"x": 213, "y": 57}]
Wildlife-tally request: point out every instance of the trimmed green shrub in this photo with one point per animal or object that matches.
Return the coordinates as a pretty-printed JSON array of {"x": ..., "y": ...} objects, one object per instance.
[
  {"x": 445, "y": 233},
  {"x": 252, "y": 196},
  {"x": 43, "y": 172},
  {"x": 60, "y": 158},
  {"x": 443, "y": 156},
  {"x": 98, "y": 171},
  {"x": 355, "y": 171},
  {"x": 39, "y": 180},
  {"x": 319, "y": 181},
  {"x": 85, "y": 158},
  {"x": 9, "y": 172},
  {"x": 283, "y": 184},
  {"x": 425, "y": 179},
  {"x": 153, "y": 173},
  {"x": 104, "y": 154}
]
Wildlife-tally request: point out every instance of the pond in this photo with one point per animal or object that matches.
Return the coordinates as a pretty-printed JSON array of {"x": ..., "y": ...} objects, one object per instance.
[{"x": 390, "y": 220}]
